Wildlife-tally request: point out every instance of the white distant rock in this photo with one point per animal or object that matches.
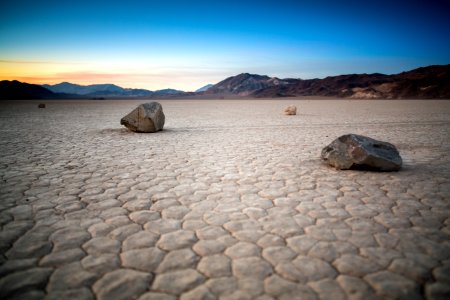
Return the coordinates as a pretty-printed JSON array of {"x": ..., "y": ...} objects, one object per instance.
[{"x": 290, "y": 110}]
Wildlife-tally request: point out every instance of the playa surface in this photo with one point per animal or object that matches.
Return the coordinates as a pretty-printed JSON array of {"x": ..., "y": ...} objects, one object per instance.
[{"x": 230, "y": 201}]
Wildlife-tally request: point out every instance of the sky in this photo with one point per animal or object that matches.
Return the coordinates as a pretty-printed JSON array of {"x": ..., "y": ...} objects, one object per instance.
[{"x": 188, "y": 44}]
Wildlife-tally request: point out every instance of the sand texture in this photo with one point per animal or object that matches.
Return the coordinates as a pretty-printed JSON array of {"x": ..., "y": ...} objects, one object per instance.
[{"x": 229, "y": 201}]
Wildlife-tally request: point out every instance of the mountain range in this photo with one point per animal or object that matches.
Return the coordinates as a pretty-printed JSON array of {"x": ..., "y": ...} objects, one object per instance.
[
  {"x": 105, "y": 90},
  {"x": 422, "y": 83},
  {"x": 432, "y": 82}
]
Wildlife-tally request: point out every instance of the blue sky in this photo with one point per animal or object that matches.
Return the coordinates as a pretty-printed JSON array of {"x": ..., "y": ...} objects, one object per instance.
[{"x": 186, "y": 44}]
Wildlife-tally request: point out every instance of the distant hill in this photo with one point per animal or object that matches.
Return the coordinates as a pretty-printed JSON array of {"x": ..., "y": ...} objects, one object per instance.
[
  {"x": 106, "y": 90},
  {"x": 70, "y": 88},
  {"x": 97, "y": 90},
  {"x": 167, "y": 92},
  {"x": 15, "y": 90},
  {"x": 204, "y": 88},
  {"x": 425, "y": 82},
  {"x": 245, "y": 84}
]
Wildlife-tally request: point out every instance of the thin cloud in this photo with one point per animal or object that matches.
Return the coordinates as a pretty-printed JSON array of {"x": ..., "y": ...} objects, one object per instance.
[{"x": 37, "y": 62}]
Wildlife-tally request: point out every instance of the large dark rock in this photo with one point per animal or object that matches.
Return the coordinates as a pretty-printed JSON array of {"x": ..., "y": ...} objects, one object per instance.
[
  {"x": 147, "y": 117},
  {"x": 352, "y": 151}
]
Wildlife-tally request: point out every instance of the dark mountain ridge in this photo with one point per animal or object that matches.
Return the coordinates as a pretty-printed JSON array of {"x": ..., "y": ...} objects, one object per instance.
[
  {"x": 422, "y": 83},
  {"x": 14, "y": 90}
]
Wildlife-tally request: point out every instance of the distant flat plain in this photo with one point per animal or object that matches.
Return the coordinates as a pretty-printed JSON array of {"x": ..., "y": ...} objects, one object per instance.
[{"x": 238, "y": 172}]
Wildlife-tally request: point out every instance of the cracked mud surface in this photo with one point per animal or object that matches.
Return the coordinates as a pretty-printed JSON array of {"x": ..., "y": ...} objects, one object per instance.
[{"x": 230, "y": 201}]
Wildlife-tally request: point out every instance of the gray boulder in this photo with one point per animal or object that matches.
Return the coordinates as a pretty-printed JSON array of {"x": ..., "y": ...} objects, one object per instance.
[
  {"x": 147, "y": 117},
  {"x": 352, "y": 151}
]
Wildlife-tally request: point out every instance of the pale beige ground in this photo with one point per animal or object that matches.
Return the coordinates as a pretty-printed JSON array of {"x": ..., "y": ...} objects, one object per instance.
[{"x": 230, "y": 201}]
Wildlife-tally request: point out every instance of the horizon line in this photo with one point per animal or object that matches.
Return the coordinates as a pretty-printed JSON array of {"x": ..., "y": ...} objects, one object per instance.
[{"x": 29, "y": 80}]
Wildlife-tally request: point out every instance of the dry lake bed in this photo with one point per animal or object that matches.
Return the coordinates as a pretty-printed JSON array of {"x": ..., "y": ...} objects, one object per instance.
[{"x": 230, "y": 201}]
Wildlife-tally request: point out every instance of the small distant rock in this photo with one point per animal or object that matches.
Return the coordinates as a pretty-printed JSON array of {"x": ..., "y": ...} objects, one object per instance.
[
  {"x": 147, "y": 117},
  {"x": 354, "y": 151},
  {"x": 41, "y": 105},
  {"x": 290, "y": 110}
]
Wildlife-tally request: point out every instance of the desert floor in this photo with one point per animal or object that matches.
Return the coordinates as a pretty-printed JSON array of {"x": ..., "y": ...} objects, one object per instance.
[{"x": 230, "y": 201}]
